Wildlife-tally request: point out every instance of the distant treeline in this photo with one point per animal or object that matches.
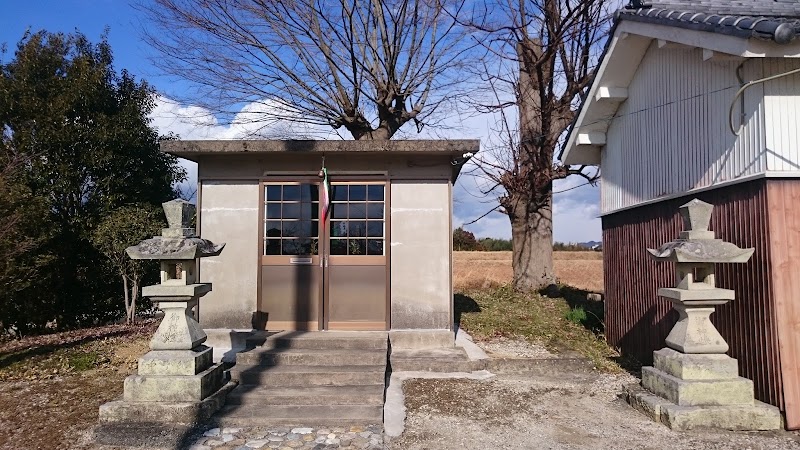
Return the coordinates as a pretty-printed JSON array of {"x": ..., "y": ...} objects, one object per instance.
[{"x": 465, "y": 241}]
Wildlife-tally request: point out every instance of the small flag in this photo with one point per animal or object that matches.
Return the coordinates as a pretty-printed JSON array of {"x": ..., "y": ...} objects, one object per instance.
[{"x": 325, "y": 195}]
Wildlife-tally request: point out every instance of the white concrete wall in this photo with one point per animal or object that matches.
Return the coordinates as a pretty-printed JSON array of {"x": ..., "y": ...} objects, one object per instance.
[
  {"x": 230, "y": 214},
  {"x": 420, "y": 255},
  {"x": 671, "y": 135}
]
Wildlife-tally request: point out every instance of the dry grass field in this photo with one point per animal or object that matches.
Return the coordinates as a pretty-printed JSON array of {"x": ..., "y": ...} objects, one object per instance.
[{"x": 480, "y": 270}]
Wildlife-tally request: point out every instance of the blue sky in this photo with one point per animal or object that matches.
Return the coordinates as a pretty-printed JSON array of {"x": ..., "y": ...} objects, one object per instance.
[{"x": 575, "y": 211}]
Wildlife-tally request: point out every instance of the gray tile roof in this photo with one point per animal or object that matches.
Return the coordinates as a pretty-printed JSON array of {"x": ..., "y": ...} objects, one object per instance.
[{"x": 777, "y": 20}]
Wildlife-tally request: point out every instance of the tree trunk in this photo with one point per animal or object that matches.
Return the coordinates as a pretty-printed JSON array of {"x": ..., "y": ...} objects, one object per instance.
[
  {"x": 127, "y": 299},
  {"x": 379, "y": 134},
  {"x": 134, "y": 297},
  {"x": 530, "y": 193},
  {"x": 532, "y": 241}
]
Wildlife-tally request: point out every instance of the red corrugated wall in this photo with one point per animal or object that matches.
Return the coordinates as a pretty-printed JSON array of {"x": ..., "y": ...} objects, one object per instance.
[{"x": 638, "y": 321}]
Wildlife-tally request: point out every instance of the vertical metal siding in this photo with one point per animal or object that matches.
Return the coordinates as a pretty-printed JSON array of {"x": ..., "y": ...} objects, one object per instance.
[
  {"x": 638, "y": 321},
  {"x": 671, "y": 135},
  {"x": 782, "y": 106}
]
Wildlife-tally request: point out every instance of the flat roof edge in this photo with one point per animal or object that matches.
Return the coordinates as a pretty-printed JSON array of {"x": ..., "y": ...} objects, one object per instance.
[{"x": 191, "y": 149}]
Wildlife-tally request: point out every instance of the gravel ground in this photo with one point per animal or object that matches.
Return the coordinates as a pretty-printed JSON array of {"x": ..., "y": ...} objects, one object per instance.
[
  {"x": 514, "y": 348},
  {"x": 564, "y": 410}
]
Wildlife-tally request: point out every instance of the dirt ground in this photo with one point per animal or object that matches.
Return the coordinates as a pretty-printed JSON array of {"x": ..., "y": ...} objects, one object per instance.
[
  {"x": 582, "y": 270},
  {"x": 52, "y": 386},
  {"x": 563, "y": 410}
]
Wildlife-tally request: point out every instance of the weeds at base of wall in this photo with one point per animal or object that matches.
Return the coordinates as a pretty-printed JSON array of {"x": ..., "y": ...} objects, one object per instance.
[{"x": 552, "y": 322}]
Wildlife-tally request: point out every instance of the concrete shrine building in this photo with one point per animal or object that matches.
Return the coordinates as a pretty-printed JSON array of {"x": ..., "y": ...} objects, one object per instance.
[{"x": 379, "y": 260}]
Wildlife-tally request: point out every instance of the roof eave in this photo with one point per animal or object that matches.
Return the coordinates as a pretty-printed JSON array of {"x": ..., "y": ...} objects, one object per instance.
[
  {"x": 193, "y": 150},
  {"x": 628, "y": 44}
]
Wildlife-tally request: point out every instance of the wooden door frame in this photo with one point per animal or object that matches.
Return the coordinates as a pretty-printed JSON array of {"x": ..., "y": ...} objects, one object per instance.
[
  {"x": 364, "y": 260},
  {"x": 347, "y": 177}
]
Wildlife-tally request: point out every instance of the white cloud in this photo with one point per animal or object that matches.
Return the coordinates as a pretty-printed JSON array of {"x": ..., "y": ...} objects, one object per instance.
[{"x": 575, "y": 211}]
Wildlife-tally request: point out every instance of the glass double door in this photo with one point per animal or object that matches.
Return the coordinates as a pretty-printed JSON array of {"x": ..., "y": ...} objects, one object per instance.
[{"x": 324, "y": 266}]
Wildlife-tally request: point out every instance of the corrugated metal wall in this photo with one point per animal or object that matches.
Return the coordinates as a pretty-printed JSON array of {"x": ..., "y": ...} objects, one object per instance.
[
  {"x": 671, "y": 135},
  {"x": 638, "y": 321}
]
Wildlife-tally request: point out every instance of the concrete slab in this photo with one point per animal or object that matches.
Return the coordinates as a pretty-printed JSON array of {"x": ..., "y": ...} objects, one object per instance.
[
  {"x": 756, "y": 417},
  {"x": 394, "y": 410},
  {"x": 738, "y": 391},
  {"x": 186, "y": 413},
  {"x": 176, "y": 362},
  {"x": 464, "y": 340},
  {"x": 173, "y": 389},
  {"x": 421, "y": 339},
  {"x": 695, "y": 366}
]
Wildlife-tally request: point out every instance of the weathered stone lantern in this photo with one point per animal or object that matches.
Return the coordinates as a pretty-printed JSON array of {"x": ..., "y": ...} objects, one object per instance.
[
  {"x": 177, "y": 382},
  {"x": 695, "y": 383}
]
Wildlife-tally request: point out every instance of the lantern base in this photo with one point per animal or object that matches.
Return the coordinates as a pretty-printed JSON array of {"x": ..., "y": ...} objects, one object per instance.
[
  {"x": 756, "y": 417},
  {"x": 685, "y": 391}
]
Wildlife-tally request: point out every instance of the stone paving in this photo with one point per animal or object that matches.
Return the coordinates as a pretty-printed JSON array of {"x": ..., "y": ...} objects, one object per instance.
[{"x": 350, "y": 438}]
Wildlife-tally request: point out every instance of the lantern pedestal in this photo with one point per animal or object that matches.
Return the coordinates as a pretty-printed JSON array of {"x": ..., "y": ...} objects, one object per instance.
[{"x": 177, "y": 382}]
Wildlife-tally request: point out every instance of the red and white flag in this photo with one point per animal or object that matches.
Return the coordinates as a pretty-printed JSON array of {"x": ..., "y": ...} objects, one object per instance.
[{"x": 325, "y": 195}]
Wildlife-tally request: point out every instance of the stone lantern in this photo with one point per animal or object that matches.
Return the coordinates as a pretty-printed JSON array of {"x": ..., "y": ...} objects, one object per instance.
[
  {"x": 693, "y": 383},
  {"x": 177, "y": 382}
]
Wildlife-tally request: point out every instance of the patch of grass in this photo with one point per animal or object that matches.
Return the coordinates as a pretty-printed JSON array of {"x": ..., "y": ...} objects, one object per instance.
[
  {"x": 503, "y": 312},
  {"x": 576, "y": 315},
  {"x": 83, "y": 361},
  {"x": 52, "y": 356}
]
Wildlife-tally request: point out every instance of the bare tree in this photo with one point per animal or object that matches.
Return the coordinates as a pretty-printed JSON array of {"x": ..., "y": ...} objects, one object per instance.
[
  {"x": 553, "y": 48},
  {"x": 369, "y": 66}
]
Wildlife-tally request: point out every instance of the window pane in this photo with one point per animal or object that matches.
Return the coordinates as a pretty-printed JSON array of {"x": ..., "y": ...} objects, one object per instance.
[
  {"x": 375, "y": 229},
  {"x": 272, "y": 247},
  {"x": 358, "y": 211},
  {"x": 291, "y": 228},
  {"x": 356, "y": 246},
  {"x": 309, "y": 211},
  {"x": 375, "y": 247},
  {"x": 358, "y": 192},
  {"x": 291, "y": 246},
  {"x": 273, "y": 193},
  {"x": 291, "y": 210},
  {"x": 307, "y": 247},
  {"x": 299, "y": 229},
  {"x": 338, "y": 246},
  {"x": 273, "y": 210},
  {"x": 339, "y": 228},
  {"x": 309, "y": 192},
  {"x": 272, "y": 228},
  {"x": 339, "y": 210},
  {"x": 375, "y": 210},
  {"x": 291, "y": 193},
  {"x": 339, "y": 193},
  {"x": 375, "y": 192},
  {"x": 357, "y": 228}
]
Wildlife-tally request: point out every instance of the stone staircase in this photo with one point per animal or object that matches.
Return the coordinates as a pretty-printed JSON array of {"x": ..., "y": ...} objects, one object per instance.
[{"x": 309, "y": 378}]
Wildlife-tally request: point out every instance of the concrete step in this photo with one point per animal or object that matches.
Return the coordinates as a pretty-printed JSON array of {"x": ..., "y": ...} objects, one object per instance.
[
  {"x": 451, "y": 359},
  {"x": 296, "y": 376},
  {"x": 371, "y": 394},
  {"x": 299, "y": 415},
  {"x": 325, "y": 340},
  {"x": 291, "y": 356}
]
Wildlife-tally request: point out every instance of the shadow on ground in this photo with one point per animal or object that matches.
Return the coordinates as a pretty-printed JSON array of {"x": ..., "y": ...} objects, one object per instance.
[
  {"x": 463, "y": 304},
  {"x": 587, "y": 313}
]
